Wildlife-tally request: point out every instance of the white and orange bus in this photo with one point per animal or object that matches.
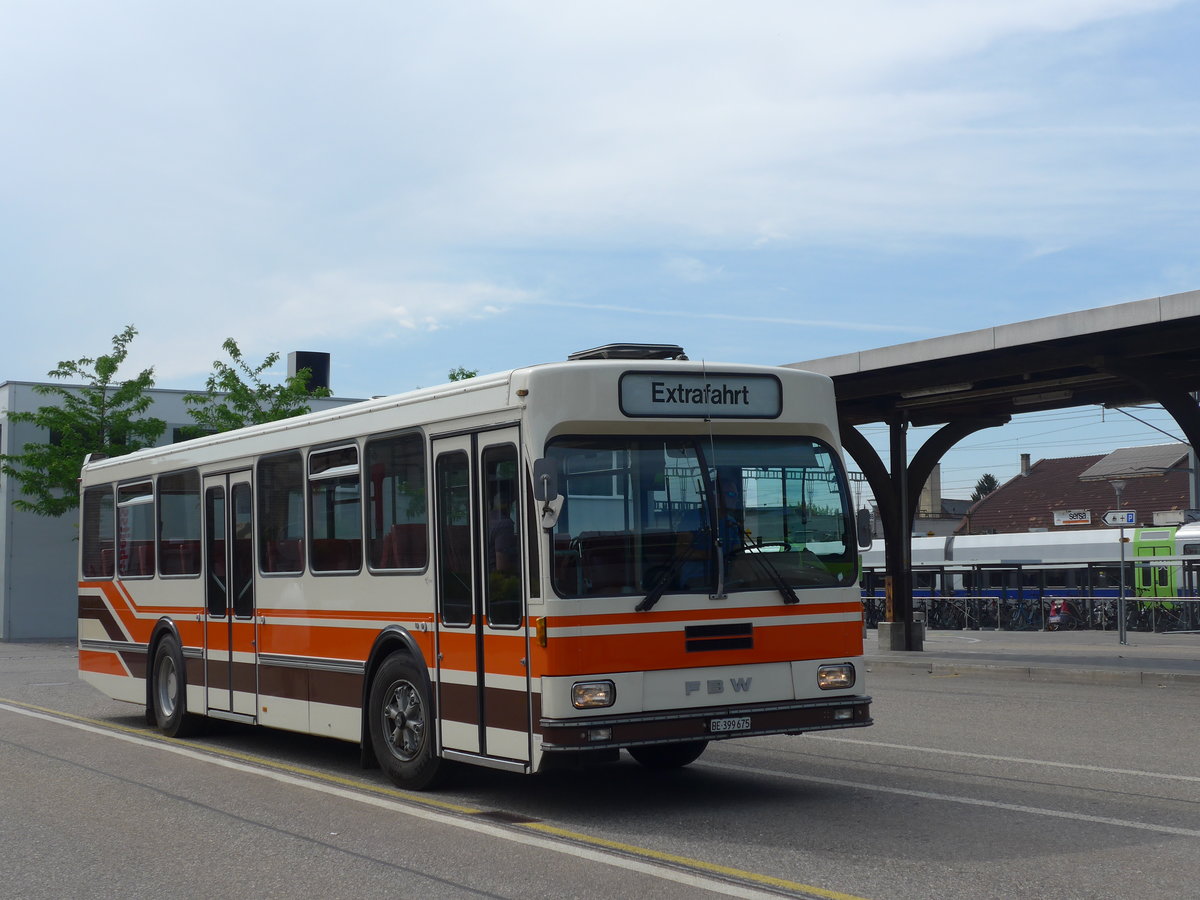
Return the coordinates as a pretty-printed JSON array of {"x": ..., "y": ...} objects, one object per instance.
[{"x": 626, "y": 550}]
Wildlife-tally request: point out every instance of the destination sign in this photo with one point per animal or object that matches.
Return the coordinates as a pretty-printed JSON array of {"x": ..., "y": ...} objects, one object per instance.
[{"x": 712, "y": 395}]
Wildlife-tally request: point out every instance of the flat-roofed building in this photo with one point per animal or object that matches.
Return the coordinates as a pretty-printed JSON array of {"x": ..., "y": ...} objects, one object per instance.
[{"x": 38, "y": 579}]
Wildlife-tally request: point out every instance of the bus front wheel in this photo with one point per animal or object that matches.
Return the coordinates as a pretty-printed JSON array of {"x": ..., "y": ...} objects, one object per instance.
[
  {"x": 401, "y": 719},
  {"x": 668, "y": 756}
]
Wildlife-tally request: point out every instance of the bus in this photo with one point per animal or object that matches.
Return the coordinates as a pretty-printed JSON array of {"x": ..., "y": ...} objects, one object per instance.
[{"x": 520, "y": 571}]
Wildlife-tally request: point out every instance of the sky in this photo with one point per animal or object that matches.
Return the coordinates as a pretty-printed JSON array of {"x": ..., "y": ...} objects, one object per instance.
[{"x": 416, "y": 187}]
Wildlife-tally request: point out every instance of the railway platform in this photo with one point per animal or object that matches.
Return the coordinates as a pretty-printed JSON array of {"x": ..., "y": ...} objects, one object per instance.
[{"x": 1081, "y": 657}]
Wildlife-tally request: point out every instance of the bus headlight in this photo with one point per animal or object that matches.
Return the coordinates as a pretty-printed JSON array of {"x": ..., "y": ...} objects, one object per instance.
[
  {"x": 835, "y": 678},
  {"x": 593, "y": 694}
]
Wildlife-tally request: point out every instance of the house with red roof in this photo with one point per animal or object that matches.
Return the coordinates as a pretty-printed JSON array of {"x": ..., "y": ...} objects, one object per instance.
[{"x": 1076, "y": 492}]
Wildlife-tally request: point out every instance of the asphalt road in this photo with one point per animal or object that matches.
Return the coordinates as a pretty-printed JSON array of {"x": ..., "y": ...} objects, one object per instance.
[{"x": 967, "y": 787}]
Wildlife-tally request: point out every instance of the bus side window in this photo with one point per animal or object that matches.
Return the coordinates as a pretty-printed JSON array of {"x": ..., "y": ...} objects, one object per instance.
[
  {"x": 98, "y": 509},
  {"x": 179, "y": 523},
  {"x": 503, "y": 556},
  {"x": 335, "y": 510},
  {"x": 397, "y": 511},
  {"x": 280, "y": 488},
  {"x": 135, "y": 530},
  {"x": 452, "y": 475}
]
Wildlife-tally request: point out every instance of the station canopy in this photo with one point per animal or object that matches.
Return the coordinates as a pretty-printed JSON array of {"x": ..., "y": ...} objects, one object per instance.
[
  {"x": 1146, "y": 351},
  {"x": 1137, "y": 352}
]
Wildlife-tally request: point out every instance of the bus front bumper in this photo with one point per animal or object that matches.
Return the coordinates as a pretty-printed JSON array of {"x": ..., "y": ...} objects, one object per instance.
[{"x": 708, "y": 724}]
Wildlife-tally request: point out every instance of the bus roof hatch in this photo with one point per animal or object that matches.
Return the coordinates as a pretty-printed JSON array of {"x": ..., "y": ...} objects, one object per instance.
[{"x": 631, "y": 351}]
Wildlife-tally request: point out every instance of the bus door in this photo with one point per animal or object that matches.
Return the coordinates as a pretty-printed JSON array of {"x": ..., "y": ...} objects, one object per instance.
[
  {"x": 483, "y": 679},
  {"x": 230, "y": 651}
]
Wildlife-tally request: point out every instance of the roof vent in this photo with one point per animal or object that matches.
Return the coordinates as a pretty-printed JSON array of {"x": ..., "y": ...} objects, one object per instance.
[
  {"x": 632, "y": 351},
  {"x": 317, "y": 365}
]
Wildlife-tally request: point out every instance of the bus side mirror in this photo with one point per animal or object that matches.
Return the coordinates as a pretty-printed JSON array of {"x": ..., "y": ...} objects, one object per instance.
[
  {"x": 863, "y": 522},
  {"x": 545, "y": 490}
]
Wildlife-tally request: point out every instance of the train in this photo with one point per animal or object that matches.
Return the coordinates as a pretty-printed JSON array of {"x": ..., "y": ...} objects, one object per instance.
[{"x": 1051, "y": 579}]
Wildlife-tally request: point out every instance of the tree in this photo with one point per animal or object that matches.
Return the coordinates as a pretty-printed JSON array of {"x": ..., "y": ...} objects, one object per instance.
[
  {"x": 104, "y": 417},
  {"x": 984, "y": 486},
  {"x": 237, "y": 396},
  {"x": 462, "y": 374}
]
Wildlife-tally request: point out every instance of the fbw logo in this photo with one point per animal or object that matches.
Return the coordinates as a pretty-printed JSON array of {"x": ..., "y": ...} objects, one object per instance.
[{"x": 717, "y": 686}]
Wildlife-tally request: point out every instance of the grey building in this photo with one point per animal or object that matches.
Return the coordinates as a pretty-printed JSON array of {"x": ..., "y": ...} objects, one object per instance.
[{"x": 38, "y": 597}]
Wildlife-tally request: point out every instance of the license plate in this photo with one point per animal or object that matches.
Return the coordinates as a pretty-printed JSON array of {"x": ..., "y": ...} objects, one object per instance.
[{"x": 741, "y": 723}]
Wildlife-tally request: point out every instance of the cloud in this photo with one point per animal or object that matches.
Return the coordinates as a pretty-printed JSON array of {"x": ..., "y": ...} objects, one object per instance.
[
  {"x": 287, "y": 314},
  {"x": 392, "y": 171},
  {"x": 693, "y": 314},
  {"x": 690, "y": 269},
  {"x": 540, "y": 122}
]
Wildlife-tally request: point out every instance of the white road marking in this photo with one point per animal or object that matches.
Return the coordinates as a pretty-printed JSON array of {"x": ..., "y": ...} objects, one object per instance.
[
  {"x": 966, "y": 801},
  {"x": 1012, "y": 759},
  {"x": 574, "y": 850}
]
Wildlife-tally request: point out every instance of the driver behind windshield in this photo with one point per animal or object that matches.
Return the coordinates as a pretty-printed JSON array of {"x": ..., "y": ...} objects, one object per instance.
[{"x": 695, "y": 543}]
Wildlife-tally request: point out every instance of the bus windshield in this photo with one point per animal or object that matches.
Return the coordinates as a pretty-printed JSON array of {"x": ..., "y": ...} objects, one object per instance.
[{"x": 700, "y": 514}]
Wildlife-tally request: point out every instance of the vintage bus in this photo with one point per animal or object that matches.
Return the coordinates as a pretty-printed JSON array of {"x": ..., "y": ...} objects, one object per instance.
[{"x": 624, "y": 550}]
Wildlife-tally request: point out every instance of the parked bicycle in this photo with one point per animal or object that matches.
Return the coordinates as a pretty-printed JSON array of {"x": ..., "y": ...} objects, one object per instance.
[
  {"x": 1023, "y": 615},
  {"x": 1064, "y": 616}
]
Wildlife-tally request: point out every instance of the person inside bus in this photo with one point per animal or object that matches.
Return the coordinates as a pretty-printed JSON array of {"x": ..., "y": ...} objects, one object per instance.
[
  {"x": 695, "y": 544},
  {"x": 502, "y": 536}
]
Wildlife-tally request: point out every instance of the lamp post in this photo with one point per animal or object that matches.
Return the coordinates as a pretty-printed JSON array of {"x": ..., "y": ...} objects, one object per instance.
[{"x": 1122, "y": 636}]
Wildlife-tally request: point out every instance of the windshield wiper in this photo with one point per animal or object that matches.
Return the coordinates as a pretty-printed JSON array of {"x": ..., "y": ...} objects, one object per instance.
[
  {"x": 772, "y": 573},
  {"x": 765, "y": 565},
  {"x": 662, "y": 582}
]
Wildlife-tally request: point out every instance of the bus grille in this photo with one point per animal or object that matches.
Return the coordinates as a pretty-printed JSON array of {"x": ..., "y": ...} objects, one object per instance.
[{"x": 739, "y": 636}]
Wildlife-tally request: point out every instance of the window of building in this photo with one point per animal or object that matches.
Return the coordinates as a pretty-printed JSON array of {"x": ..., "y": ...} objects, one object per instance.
[{"x": 181, "y": 433}]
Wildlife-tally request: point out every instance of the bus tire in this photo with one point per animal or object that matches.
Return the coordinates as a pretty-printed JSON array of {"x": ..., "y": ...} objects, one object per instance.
[
  {"x": 400, "y": 717},
  {"x": 668, "y": 756},
  {"x": 168, "y": 691}
]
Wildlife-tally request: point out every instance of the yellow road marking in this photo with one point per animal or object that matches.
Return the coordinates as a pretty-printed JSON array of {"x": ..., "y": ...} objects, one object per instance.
[
  {"x": 691, "y": 863},
  {"x": 423, "y": 800}
]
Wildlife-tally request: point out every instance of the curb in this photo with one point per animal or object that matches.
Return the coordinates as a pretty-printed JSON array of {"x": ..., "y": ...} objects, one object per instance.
[{"x": 1044, "y": 674}]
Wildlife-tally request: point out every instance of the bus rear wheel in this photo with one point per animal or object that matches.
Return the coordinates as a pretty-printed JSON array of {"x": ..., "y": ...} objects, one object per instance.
[
  {"x": 400, "y": 717},
  {"x": 668, "y": 756},
  {"x": 168, "y": 691}
]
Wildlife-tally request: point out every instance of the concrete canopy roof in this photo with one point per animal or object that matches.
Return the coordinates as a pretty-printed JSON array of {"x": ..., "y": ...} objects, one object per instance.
[
  {"x": 1136, "y": 462},
  {"x": 1114, "y": 355}
]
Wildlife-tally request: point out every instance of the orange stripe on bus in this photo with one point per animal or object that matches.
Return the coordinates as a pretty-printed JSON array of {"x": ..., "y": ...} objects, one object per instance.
[
  {"x": 668, "y": 650},
  {"x": 101, "y": 663}
]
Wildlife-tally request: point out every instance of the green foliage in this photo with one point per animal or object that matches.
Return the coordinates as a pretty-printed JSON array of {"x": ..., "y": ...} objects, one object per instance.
[
  {"x": 102, "y": 417},
  {"x": 462, "y": 374},
  {"x": 984, "y": 486},
  {"x": 237, "y": 396}
]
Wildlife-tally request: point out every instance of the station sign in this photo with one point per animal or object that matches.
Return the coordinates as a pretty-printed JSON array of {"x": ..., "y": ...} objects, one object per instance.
[
  {"x": 708, "y": 395},
  {"x": 1072, "y": 517},
  {"x": 1120, "y": 517}
]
